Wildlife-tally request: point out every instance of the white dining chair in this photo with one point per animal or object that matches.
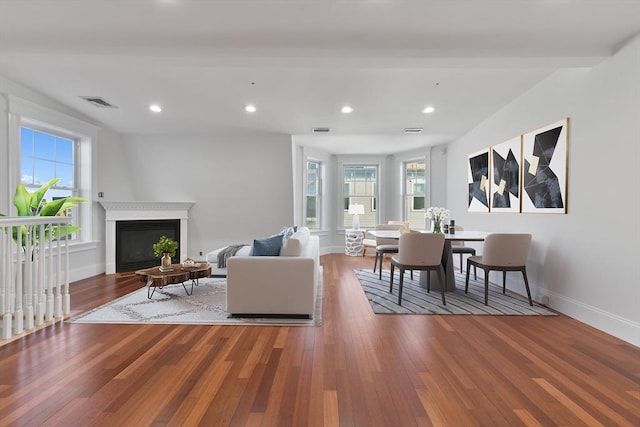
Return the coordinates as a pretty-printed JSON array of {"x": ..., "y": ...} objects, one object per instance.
[
  {"x": 385, "y": 245},
  {"x": 502, "y": 252},
  {"x": 419, "y": 251},
  {"x": 459, "y": 247}
]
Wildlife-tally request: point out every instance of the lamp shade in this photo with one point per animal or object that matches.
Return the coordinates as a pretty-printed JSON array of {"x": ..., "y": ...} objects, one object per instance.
[{"x": 356, "y": 209}]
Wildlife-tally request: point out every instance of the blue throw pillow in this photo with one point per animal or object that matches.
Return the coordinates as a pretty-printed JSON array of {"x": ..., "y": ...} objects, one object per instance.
[{"x": 267, "y": 247}]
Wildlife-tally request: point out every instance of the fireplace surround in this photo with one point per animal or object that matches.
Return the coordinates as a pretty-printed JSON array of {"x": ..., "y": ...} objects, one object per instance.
[{"x": 125, "y": 211}]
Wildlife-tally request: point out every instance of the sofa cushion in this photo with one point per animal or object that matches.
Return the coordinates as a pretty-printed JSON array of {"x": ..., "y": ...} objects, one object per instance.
[
  {"x": 294, "y": 245},
  {"x": 267, "y": 247}
]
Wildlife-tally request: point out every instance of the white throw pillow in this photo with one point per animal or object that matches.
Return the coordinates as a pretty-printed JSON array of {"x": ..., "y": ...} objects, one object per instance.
[{"x": 294, "y": 244}]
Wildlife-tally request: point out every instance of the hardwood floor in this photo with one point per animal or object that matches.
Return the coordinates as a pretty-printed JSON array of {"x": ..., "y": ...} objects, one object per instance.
[{"x": 358, "y": 369}]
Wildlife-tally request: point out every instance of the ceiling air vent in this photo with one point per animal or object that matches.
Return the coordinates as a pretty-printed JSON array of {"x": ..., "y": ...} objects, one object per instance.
[
  {"x": 98, "y": 102},
  {"x": 412, "y": 130},
  {"x": 319, "y": 130}
]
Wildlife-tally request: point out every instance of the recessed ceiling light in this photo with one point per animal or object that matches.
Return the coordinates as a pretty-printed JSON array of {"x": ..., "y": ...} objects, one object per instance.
[
  {"x": 250, "y": 108},
  {"x": 155, "y": 108},
  {"x": 346, "y": 109},
  {"x": 429, "y": 110}
]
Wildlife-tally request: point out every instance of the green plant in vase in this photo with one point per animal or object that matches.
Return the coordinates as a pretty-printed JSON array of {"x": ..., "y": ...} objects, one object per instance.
[
  {"x": 166, "y": 248},
  {"x": 34, "y": 204}
]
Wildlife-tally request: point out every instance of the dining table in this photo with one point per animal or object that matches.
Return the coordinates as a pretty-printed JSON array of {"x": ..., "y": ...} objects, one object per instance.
[{"x": 447, "y": 255}]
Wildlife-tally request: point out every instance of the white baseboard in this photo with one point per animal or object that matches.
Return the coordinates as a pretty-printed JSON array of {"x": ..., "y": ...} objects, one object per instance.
[
  {"x": 85, "y": 272},
  {"x": 610, "y": 323}
]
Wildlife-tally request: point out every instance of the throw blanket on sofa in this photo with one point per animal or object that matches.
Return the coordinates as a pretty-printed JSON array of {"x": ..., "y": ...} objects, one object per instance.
[{"x": 227, "y": 252}]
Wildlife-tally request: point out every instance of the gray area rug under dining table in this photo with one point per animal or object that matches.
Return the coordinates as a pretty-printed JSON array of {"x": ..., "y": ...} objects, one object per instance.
[{"x": 416, "y": 300}]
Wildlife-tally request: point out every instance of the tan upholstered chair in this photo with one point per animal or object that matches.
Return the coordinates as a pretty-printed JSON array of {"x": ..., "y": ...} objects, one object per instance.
[
  {"x": 419, "y": 251},
  {"x": 405, "y": 224},
  {"x": 385, "y": 245},
  {"x": 502, "y": 252},
  {"x": 368, "y": 243},
  {"x": 371, "y": 243},
  {"x": 458, "y": 247}
]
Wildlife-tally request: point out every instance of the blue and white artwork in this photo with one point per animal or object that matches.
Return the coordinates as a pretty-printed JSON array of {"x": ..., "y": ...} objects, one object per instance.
[
  {"x": 478, "y": 181},
  {"x": 544, "y": 169},
  {"x": 505, "y": 176}
]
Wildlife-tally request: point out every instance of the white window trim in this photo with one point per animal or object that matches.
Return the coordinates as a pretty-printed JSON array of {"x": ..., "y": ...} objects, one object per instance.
[{"x": 22, "y": 112}]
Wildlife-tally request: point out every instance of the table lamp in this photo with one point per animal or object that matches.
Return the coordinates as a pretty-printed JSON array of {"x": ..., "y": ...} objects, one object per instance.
[{"x": 356, "y": 210}]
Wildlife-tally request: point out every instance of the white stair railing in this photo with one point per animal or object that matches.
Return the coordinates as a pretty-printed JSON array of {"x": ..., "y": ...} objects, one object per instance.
[{"x": 34, "y": 274}]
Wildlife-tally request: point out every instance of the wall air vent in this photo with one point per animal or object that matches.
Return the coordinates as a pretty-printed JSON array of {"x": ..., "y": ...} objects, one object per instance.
[
  {"x": 412, "y": 130},
  {"x": 319, "y": 130},
  {"x": 98, "y": 102}
]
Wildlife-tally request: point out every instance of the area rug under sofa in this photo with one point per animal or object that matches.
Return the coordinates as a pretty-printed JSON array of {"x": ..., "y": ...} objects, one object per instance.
[{"x": 171, "y": 305}]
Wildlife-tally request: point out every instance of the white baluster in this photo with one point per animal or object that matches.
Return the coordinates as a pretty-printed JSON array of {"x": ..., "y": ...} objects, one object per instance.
[
  {"x": 57, "y": 311},
  {"x": 28, "y": 280},
  {"x": 67, "y": 296},
  {"x": 39, "y": 259},
  {"x": 49, "y": 312},
  {"x": 6, "y": 283},
  {"x": 18, "y": 314}
]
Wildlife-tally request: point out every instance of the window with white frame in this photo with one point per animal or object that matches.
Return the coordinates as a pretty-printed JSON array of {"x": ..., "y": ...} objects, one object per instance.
[
  {"x": 45, "y": 155},
  {"x": 415, "y": 193},
  {"x": 360, "y": 183},
  {"x": 46, "y": 144},
  {"x": 313, "y": 193}
]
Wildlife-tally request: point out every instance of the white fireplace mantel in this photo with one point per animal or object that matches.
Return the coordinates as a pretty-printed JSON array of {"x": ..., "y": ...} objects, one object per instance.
[{"x": 131, "y": 211}]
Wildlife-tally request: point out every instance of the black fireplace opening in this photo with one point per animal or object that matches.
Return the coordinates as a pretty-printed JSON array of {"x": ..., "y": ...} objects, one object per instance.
[{"x": 135, "y": 239}]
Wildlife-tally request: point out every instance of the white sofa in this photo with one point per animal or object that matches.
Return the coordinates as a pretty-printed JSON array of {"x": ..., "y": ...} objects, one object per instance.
[{"x": 284, "y": 285}]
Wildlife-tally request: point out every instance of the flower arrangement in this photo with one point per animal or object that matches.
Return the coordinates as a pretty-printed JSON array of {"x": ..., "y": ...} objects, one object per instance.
[
  {"x": 437, "y": 215},
  {"x": 165, "y": 246}
]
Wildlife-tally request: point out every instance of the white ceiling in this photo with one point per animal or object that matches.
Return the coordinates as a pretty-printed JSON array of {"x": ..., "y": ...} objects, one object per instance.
[{"x": 300, "y": 61}]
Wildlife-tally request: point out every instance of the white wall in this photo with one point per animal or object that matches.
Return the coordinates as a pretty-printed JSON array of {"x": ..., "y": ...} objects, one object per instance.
[
  {"x": 114, "y": 179},
  {"x": 584, "y": 261},
  {"x": 242, "y": 186}
]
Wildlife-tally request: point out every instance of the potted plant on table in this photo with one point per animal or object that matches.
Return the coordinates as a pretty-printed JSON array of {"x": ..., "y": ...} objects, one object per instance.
[{"x": 165, "y": 248}]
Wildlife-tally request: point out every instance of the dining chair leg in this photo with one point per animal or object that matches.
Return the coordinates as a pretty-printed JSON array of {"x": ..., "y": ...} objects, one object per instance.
[
  {"x": 466, "y": 283},
  {"x": 400, "y": 286},
  {"x": 411, "y": 271},
  {"x": 428, "y": 281},
  {"x": 526, "y": 284},
  {"x": 375, "y": 263},
  {"x": 380, "y": 266},
  {"x": 442, "y": 284},
  {"x": 391, "y": 278},
  {"x": 504, "y": 281},
  {"x": 486, "y": 286},
  {"x": 460, "y": 262},
  {"x": 475, "y": 272}
]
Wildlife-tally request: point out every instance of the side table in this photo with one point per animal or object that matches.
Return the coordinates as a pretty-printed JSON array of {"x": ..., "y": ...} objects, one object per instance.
[{"x": 353, "y": 242}]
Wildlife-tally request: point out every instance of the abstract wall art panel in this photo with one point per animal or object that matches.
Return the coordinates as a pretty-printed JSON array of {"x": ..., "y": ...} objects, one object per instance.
[
  {"x": 478, "y": 180},
  {"x": 544, "y": 169},
  {"x": 505, "y": 176}
]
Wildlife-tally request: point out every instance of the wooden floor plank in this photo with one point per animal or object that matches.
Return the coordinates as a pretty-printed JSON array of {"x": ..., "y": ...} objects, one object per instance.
[{"x": 357, "y": 369}]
